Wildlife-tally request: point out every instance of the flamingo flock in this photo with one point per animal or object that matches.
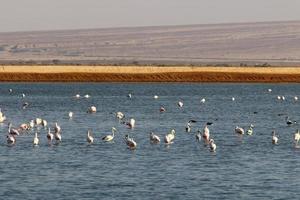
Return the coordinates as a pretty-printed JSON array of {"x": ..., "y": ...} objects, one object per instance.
[{"x": 54, "y": 135}]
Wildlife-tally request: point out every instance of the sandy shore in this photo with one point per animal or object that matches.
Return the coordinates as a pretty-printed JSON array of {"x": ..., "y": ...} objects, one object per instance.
[{"x": 148, "y": 74}]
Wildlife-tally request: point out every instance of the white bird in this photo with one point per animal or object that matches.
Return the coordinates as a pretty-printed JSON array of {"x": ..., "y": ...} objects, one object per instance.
[
  {"x": 109, "y": 138},
  {"x": 205, "y": 134},
  {"x": 131, "y": 123},
  {"x": 170, "y": 137},
  {"x": 279, "y": 97},
  {"x": 12, "y": 131},
  {"x": 297, "y": 136},
  {"x": 233, "y": 99},
  {"x": 154, "y": 138},
  {"x": 129, "y": 96},
  {"x": 35, "y": 139},
  {"x": 31, "y": 124},
  {"x": 57, "y": 136},
  {"x": 2, "y": 117},
  {"x": 38, "y": 121},
  {"x": 44, "y": 123},
  {"x": 57, "y": 128},
  {"x": 23, "y": 95},
  {"x": 130, "y": 142},
  {"x": 274, "y": 138},
  {"x": 92, "y": 109},
  {"x": 70, "y": 115},
  {"x": 283, "y": 98},
  {"x": 155, "y": 97},
  {"x": 180, "y": 104},
  {"x": 50, "y": 136},
  {"x": 188, "y": 127},
  {"x": 239, "y": 130},
  {"x": 120, "y": 115},
  {"x": 212, "y": 145},
  {"x": 77, "y": 96},
  {"x": 10, "y": 90},
  {"x": 295, "y": 98},
  {"x": 87, "y": 96},
  {"x": 10, "y": 139},
  {"x": 202, "y": 100},
  {"x": 89, "y": 137},
  {"x": 269, "y": 90},
  {"x": 250, "y": 130}
]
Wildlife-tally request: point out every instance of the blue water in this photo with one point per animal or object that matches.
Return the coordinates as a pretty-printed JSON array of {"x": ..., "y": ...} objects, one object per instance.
[{"x": 242, "y": 168}]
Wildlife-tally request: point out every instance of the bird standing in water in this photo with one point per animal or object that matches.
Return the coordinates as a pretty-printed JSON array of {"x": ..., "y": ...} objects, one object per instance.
[
  {"x": 36, "y": 139},
  {"x": 109, "y": 138},
  {"x": 130, "y": 142},
  {"x": 89, "y": 137},
  {"x": 154, "y": 138},
  {"x": 274, "y": 138}
]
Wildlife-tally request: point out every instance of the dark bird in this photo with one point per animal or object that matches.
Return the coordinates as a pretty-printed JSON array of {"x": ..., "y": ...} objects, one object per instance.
[
  {"x": 162, "y": 109},
  {"x": 188, "y": 126},
  {"x": 25, "y": 105},
  {"x": 289, "y": 122}
]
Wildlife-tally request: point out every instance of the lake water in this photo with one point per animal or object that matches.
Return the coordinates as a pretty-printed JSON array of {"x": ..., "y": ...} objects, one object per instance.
[{"x": 247, "y": 167}]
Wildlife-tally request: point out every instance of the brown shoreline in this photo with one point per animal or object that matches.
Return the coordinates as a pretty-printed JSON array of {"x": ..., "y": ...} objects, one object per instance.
[{"x": 148, "y": 74}]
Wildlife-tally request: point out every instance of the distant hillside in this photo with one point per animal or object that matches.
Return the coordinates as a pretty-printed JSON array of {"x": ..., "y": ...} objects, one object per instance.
[{"x": 274, "y": 43}]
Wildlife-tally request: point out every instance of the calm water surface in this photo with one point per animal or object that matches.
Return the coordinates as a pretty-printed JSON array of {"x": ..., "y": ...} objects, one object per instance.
[{"x": 242, "y": 168}]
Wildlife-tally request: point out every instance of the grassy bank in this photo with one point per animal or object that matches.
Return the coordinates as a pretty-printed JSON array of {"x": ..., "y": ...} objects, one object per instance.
[{"x": 148, "y": 74}]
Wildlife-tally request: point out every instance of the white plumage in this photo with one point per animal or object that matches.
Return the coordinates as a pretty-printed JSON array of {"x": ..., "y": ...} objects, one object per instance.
[
  {"x": 239, "y": 130},
  {"x": 274, "y": 138},
  {"x": 36, "y": 139},
  {"x": 154, "y": 138},
  {"x": 212, "y": 145},
  {"x": 169, "y": 138},
  {"x": 109, "y": 138},
  {"x": 89, "y": 137},
  {"x": 130, "y": 142}
]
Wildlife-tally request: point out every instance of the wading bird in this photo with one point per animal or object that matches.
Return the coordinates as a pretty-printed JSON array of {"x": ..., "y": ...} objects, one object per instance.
[
  {"x": 10, "y": 139},
  {"x": 205, "y": 134},
  {"x": 297, "y": 136},
  {"x": 130, "y": 142},
  {"x": 289, "y": 122},
  {"x": 109, "y": 138},
  {"x": 169, "y": 138},
  {"x": 212, "y": 145},
  {"x": 180, "y": 104},
  {"x": 274, "y": 138},
  {"x": 70, "y": 115},
  {"x": 239, "y": 130},
  {"x": 89, "y": 137},
  {"x": 50, "y": 136},
  {"x": 92, "y": 109},
  {"x": 12, "y": 131},
  {"x": 154, "y": 138},
  {"x": 250, "y": 130},
  {"x": 36, "y": 139}
]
